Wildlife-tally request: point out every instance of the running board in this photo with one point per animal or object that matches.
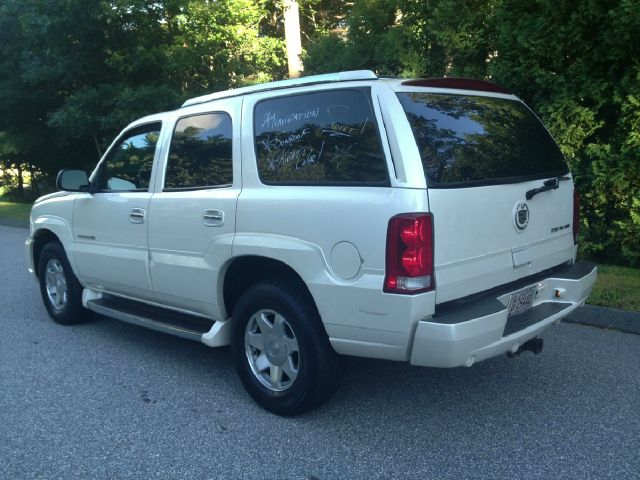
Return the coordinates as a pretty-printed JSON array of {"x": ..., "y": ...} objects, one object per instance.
[{"x": 200, "y": 329}]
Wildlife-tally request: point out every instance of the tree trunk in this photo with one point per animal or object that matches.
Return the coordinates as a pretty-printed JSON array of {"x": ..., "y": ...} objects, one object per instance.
[
  {"x": 97, "y": 144},
  {"x": 35, "y": 190},
  {"x": 292, "y": 37},
  {"x": 20, "y": 180}
]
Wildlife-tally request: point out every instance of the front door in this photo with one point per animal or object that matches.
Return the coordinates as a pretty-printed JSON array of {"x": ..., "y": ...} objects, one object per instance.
[{"x": 110, "y": 226}]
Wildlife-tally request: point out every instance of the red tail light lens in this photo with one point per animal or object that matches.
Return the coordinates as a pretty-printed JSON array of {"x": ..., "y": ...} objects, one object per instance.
[
  {"x": 576, "y": 216},
  {"x": 409, "y": 254}
]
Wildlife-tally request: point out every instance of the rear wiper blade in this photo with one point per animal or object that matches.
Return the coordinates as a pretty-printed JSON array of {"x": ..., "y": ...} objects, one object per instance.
[{"x": 551, "y": 184}]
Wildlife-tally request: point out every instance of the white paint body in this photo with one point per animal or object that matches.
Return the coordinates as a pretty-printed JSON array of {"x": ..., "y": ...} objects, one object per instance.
[{"x": 333, "y": 237}]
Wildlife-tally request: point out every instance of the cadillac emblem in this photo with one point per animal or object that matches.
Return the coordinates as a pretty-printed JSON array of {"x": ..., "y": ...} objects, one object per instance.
[{"x": 521, "y": 216}]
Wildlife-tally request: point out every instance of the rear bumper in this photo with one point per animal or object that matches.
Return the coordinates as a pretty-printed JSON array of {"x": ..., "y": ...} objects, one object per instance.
[{"x": 474, "y": 329}]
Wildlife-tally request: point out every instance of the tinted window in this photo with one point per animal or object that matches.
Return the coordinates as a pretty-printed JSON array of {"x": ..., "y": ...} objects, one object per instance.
[
  {"x": 319, "y": 138},
  {"x": 200, "y": 155},
  {"x": 480, "y": 140},
  {"x": 128, "y": 165}
]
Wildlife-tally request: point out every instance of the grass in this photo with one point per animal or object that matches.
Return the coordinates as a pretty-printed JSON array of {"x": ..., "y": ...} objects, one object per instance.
[
  {"x": 617, "y": 287},
  {"x": 15, "y": 211}
]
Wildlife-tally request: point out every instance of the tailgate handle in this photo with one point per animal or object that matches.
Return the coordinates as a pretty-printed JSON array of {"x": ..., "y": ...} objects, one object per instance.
[{"x": 551, "y": 184}]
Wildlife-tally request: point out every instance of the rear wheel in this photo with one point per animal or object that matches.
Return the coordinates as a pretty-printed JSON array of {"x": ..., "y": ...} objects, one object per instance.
[
  {"x": 281, "y": 351},
  {"x": 61, "y": 292}
]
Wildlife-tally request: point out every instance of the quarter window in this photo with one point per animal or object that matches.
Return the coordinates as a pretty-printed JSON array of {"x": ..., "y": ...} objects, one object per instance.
[
  {"x": 200, "y": 155},
  {"x": 321, "y": 138},
  {"x": 127, "y": 168}
]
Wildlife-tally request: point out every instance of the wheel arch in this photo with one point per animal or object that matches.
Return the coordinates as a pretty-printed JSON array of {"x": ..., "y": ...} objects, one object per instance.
[
  {"x": 248, "y": 270},
  {"x": 51, "y": 227},
  {"x": 42, "y": 237}
]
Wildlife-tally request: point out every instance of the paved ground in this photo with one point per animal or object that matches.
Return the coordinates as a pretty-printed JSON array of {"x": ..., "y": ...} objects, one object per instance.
[{"x": 110, "y": 400}]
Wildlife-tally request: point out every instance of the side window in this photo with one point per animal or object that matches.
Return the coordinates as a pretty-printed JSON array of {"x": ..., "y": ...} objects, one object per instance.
[
  {"x": 200, "y": 155},
  {"x": 128, "y": 166},
  {"x": 322, "y": 138}
]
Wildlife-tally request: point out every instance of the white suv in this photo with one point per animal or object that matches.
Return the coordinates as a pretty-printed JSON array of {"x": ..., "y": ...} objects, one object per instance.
[{"x": 430, "y": 221}]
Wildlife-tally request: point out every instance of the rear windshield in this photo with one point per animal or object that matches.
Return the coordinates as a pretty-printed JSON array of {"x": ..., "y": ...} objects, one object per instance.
[{"x": 472, "y": 140}]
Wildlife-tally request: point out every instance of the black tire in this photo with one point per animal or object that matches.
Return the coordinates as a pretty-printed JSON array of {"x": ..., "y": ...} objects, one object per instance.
[
  {"x": 319, "y": 369},
  {"x": 64, "y": 309}
]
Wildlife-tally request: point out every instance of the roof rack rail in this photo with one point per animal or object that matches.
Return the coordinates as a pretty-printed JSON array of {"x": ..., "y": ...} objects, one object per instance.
[{"x": 293, "y": 82}]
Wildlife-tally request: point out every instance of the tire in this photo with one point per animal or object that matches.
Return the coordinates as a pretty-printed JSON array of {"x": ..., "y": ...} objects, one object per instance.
[
  {"x": 61, "y": 292},
  {"x": 281, "y": 350}
]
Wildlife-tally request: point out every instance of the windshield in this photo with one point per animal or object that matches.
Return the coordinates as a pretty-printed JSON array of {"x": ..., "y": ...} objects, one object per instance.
[{"x": 472, "y": 140}]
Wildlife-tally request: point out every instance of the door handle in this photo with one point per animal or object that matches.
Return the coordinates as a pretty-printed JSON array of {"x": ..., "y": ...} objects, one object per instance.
[
  {"x": 213, "y": 218},
  {"x": 136, "y": 215}
]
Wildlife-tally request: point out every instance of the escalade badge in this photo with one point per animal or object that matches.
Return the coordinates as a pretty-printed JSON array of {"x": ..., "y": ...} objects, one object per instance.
[{"x": 521, "y": 216}]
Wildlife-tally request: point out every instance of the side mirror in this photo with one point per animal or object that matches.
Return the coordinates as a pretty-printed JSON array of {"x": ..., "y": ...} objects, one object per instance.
[{"x": 72, "y": 180}]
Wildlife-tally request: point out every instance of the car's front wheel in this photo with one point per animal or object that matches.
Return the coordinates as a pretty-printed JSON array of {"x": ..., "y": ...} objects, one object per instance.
[
  {"x": 281, "y": 351},
  {"x": 61, "y": 292}
]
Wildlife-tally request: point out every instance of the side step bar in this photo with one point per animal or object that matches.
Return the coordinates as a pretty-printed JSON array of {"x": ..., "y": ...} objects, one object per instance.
[{"x": 156, "y": 318}]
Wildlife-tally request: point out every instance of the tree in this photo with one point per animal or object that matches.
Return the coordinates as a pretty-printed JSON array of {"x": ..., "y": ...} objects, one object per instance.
[
  {"x": 577, "y": 64},
  {"x": 292, "y": 37},
  {"x": 74, "y": 73}
]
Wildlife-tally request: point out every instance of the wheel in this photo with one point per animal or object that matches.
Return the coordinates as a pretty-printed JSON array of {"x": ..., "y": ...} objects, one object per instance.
[
  {"x": 59, "y": 287},
  {"x": 281, "y": 350}
]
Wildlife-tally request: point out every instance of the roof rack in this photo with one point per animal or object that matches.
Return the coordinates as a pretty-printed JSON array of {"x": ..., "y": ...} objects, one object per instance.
[{"x": 293, "y": 82}]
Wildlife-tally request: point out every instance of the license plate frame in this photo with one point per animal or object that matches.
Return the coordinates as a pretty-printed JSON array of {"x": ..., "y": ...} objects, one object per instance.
[{"x": 521, "y": 301}]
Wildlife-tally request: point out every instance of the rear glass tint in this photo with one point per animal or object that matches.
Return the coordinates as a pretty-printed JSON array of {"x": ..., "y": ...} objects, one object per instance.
[
  {"x": 320, "y": 138},
  {"x": 472, "y": 140}
]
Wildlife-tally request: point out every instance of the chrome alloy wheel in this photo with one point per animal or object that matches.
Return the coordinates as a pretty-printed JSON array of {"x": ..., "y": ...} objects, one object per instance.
[
  {"x": 272, "y": 350},
  {"x": 56, "y": 284}
]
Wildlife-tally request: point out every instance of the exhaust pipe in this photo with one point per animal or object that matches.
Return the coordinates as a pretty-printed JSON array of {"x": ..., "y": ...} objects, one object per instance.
[{"x": 534, "y": 345}]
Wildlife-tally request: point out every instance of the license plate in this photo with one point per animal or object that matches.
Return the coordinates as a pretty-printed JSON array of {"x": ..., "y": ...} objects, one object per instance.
[{"x": 521, "y": 301}]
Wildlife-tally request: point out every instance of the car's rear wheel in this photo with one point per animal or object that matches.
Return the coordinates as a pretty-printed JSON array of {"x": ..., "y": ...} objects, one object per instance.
[
  {"x": 61, "y": 292},
  {"x": 281, "y": 351}
]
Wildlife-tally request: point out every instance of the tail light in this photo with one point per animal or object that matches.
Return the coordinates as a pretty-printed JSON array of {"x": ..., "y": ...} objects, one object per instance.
[
  {"x": 409, "y": 254},
  {"x": 576, "y": 216}
]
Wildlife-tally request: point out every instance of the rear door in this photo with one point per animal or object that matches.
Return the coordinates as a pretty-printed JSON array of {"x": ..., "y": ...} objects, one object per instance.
[
  {"x": 192, "y": 216},
  {"x": 481, "y": 154}
]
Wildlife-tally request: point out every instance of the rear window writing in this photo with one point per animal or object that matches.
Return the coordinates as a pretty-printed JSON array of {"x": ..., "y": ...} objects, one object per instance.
[
  {"x": 319, "y": 138},
  {"x": 475, "y": 140}
]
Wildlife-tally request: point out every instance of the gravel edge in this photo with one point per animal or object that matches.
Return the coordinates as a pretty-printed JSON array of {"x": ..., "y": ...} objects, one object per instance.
[
  {"x": 606, "y": 317},
  {"x": 10, "y": 222}
]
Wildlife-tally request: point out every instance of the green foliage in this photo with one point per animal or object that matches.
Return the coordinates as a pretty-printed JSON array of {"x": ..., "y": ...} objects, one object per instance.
[
  {"x": 577, "y": 64},
  {"x": 73, "y": 74},
  {"x": 15, "y": 211},
  {"x": 617, "y": 287},
  {"x": 408, "y": 38},
  {"x": 374, "y": 41}
]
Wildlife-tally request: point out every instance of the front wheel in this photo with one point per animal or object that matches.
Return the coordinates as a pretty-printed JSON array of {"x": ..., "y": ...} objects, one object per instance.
[
  {"x": 281, "y": 351},
  {"x": 61, "y": 292}
]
